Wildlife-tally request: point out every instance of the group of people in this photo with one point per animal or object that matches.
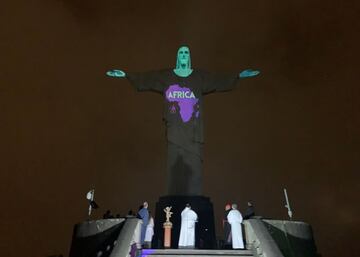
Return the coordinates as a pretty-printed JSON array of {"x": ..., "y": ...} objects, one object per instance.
[
  {"x": 109, "y": 215},
  {"x": 187, "y": 232},
  {"x": 232, "y": 225},
  {"x": 233, "y": 237}
]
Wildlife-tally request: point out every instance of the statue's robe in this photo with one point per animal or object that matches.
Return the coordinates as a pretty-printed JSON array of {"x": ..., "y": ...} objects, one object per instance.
[{"x": 183, "y": 117}]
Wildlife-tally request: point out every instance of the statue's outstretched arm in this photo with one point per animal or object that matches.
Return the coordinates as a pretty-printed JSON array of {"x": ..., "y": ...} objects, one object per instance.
[
  {"x": 248, "y": 73},
  {"x": 116, "y": 73}
]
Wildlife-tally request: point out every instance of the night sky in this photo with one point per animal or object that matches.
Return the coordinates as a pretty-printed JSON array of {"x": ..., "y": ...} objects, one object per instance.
[{"x": 66, "y": 127}]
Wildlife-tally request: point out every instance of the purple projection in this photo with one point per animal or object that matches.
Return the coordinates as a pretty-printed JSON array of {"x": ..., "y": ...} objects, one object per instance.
[{"x": 185, "y": 99}]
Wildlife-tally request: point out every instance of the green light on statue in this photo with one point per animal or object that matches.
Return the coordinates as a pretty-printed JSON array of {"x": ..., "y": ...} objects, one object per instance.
[{"x": 183, "y": 66}]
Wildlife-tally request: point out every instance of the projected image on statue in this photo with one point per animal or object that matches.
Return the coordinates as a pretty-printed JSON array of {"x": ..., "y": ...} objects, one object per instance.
[
  {"x": 185, "y": 99},
  {"x": 184, "y": 89}
]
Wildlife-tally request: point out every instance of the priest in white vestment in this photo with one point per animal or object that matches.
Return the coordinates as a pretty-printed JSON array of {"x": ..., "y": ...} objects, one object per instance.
[
  {"x": 234, "y": 218},
  {"x": 187, "y": 231}
]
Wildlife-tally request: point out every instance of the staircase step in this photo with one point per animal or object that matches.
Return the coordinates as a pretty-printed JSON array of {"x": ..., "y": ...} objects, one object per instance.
[{"x": 195, "y": 252}]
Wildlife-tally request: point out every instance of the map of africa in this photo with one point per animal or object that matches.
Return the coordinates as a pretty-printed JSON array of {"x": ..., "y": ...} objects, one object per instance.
[{"x": 185, "y": 99}]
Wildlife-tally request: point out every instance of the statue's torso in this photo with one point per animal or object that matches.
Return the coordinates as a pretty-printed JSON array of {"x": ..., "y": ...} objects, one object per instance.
[{"x": 183, "y": 100}]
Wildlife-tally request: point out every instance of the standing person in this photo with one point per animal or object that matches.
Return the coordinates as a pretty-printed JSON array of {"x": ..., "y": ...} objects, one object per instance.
[
  {"x": 187, "y": 231},
  {"x": 234, "y": 217},
  {"x": 227, "y": 227},
  {"x": 144, "y": 216},
  {"x": 250, "y": 211},
  {"x": 130, "y": 214},
  {"x": 108, "y": 215},
  {"x": 149, "y": 232}
]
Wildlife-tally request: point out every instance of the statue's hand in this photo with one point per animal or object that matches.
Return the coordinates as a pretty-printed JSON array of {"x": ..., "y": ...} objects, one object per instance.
[
  {"x": 248, "y": 73},
  {"x": 116, "y": 73}
]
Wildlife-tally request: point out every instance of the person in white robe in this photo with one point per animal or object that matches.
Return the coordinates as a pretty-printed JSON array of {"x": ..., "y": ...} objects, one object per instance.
[
  {"x": 235, "y": 219},
  {"x": 187, "y": 231},
  {"x": 149, "y": 232}
]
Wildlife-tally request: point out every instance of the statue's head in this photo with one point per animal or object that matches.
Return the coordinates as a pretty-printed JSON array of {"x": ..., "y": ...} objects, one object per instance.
[{"x": 183, "y": 58}]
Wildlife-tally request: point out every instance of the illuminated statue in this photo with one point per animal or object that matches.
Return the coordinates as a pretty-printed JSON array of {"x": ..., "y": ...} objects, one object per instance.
[{"x": 183, "y": 89}]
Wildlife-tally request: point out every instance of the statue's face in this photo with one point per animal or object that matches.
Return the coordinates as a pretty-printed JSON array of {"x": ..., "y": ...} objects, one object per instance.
[{"x": 183, "y": 55}]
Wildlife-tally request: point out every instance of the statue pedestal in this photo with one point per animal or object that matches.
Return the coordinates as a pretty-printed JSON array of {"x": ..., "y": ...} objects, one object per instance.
[
  {"x": 205, "y": 237},
  {"x": 167, "y": 234}
]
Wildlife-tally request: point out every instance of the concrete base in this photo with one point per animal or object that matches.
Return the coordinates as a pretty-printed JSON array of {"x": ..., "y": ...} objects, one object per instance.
[{"x": 294, "y": 238}]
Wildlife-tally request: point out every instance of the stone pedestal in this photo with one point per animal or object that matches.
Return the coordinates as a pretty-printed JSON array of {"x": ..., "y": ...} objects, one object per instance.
[
  {"x": 167, "y": 234},
  {"x": 205, "y": 237}
]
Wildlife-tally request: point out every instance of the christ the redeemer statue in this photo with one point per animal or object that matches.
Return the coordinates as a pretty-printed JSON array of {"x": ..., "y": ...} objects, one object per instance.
[{"x": 183, "y": 89}]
